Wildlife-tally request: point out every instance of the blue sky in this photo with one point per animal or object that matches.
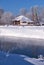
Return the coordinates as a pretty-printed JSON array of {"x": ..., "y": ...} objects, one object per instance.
[{"x": 15, "y": 5}]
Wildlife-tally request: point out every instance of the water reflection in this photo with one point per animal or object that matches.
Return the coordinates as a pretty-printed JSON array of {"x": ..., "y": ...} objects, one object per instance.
[{"x": 29, "y": 47}]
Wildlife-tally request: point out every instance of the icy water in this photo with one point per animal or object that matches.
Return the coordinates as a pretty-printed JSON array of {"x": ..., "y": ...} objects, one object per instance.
[
  {"x": 29, "y": 47},
  {"x": 12, "y": 59}
]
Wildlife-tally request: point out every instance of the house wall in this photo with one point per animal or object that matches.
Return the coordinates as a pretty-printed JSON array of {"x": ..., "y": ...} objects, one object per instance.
[
  {"x": 16, "y": 22},
  {"x": 21, "y": 23}
]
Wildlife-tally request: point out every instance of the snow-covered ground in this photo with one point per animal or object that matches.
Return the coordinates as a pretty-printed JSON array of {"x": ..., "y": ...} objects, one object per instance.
[
  {"x": 15, "y": 59},
  {"x": 35, "y": 61},
  {"x": 23, "y": 31}
]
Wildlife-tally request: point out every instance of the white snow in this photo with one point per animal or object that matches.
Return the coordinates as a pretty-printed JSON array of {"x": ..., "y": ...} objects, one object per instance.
[
  {"x": 20, "y": 31},
  {"x": 22, "y": 18},
  {"x": 34, "y": 61}
]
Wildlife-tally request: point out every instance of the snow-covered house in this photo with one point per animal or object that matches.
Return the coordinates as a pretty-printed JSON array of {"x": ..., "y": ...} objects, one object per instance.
[{"x": 22, "y": 20}]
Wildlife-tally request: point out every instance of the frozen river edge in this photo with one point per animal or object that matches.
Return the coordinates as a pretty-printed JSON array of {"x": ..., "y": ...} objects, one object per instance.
[{"x": 22, "y": 40}]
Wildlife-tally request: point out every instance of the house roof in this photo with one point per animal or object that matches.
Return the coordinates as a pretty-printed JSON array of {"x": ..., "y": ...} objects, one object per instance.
[{"x": 22, "y": 18}]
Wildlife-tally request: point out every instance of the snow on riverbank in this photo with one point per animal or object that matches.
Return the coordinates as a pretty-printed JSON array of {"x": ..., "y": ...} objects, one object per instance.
[
  {"x": 23, "y": 31},
  {"x": 35, "y": 61}
]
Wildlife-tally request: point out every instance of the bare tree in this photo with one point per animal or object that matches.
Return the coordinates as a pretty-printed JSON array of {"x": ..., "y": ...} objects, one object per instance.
[
  {"x": 42, "y": 13},
  {"x": 28, "y": 15},
  {"x": 35, "y": 15},
  {"x": 23, "y": 11},
  {"x": 1, "y": 12},
  {"x": 7, "y": 18}
]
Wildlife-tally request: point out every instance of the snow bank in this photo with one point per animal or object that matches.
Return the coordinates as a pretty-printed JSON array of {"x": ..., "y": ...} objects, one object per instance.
[
  {"x": 35, "y": 61},
  {"x": 23, "y": 31}
]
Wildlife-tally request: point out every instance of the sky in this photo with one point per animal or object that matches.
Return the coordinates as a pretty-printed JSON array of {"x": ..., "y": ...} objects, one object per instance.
[{"x": 15, "y": 5}]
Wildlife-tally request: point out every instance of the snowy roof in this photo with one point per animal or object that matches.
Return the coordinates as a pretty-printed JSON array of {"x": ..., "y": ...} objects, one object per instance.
[{"x": 22, "y": 18}]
